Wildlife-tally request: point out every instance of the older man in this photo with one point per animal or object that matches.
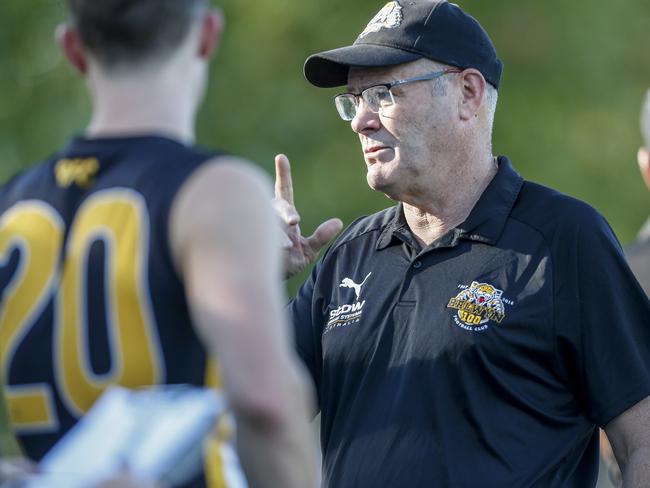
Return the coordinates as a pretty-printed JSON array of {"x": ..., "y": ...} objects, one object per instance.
[{"x": 493, "y": 323}]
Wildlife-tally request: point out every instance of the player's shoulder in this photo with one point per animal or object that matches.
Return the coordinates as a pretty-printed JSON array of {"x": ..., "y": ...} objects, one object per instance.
[
  {"x": 225, "y": 201},
  {"x": 29, "y": 180},
  {"x": 223, "y": 187},
  {"x": 226, "y": 175}
]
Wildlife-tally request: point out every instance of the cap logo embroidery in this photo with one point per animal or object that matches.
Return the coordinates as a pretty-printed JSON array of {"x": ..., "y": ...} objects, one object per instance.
[
  {"x": 389, "y": 17},
  {"x": 476, "y": 305}
]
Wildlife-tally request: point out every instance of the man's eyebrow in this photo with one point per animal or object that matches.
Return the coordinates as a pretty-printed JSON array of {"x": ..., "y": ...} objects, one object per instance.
[{"x": 365, "y": 86}]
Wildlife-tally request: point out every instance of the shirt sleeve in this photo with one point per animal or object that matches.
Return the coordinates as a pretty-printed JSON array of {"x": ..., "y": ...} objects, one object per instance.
[
  {"x": 602, "y": 320},
  {"x": 307, "y": 327}
]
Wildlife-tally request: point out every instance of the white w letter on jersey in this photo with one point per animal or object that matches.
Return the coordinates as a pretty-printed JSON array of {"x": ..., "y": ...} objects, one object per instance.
[{"x": 348, "y": 283}]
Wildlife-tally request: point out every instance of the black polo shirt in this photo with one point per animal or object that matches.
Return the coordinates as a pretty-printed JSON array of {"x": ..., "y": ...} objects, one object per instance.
[{"x": 486, "y": 359}]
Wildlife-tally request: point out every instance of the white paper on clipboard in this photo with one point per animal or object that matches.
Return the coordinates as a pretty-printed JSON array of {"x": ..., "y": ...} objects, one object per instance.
[{"x": 149, "y": 430}]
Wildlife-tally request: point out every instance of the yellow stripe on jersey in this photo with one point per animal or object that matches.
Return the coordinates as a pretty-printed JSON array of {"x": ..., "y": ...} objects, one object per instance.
[
  {"x": 221, "y": 464},
  {"x": 212, "y": 375},
  {"x": 213, "y": 461}
]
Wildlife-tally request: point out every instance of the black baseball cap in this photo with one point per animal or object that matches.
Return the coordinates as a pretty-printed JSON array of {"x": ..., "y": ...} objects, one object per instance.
[{"x": 406, "y": 30}]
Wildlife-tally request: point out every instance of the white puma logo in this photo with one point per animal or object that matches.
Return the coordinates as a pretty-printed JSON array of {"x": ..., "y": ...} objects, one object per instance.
[{"x": 348, "y": 283}]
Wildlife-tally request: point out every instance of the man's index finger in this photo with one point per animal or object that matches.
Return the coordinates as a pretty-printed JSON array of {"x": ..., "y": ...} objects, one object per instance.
[{"x": 283, "y": 183}]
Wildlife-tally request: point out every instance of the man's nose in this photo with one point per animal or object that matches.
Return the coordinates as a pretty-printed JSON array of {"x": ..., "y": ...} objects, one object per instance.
[{"x": 365, "y": 120}]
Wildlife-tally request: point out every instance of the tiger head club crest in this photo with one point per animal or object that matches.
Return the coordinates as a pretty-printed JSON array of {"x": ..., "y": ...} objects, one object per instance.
[
  {"x": 477, "y": 305},
  {"x": 389, "y": 17}
]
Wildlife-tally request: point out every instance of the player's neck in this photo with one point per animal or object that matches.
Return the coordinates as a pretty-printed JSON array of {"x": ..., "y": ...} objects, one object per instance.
[{"x": 141, "y": 105}]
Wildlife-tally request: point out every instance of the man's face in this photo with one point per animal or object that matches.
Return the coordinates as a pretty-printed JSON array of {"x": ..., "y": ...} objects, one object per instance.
[{"x": 405, "y": 145}]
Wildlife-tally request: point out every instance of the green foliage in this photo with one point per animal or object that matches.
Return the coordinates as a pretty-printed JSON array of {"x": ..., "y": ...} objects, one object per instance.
[{"x": 575, "y": 75}]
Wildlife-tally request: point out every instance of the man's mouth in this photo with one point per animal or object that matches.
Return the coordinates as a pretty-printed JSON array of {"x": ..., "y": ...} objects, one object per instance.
[{"x": 373, "y": 149}]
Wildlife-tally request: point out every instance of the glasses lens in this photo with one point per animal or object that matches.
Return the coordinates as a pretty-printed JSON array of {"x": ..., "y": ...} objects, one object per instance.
[
  {"x": 346, "y": 104},
  {"x": 377, "y": 97}
]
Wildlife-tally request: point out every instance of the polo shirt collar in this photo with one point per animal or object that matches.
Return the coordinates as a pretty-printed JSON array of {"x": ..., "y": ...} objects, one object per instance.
[
  {"x": 485, "y": 222},
  {"x": 487, "y": 219},
  {"x": 396, "y": 230}
]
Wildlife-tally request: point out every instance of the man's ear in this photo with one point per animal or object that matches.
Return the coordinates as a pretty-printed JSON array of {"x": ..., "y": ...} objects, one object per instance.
[
  {"x": 643, "y": 156},
  {"x": 72, "y": 47},
  {"x": 472, "y": 93},
  {"x": 211, "y": 29}
]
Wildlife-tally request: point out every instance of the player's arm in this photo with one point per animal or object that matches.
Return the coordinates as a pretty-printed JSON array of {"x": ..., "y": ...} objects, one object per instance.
[
  {"x": 629, "y": 434},
  {"x": 226, "y": 243}
]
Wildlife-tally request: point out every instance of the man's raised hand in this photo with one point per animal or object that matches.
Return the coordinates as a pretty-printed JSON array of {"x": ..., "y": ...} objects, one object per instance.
[{"x": 299, "y": 251}]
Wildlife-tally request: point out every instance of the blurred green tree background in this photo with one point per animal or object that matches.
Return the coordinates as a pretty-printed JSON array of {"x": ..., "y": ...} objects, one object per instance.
[{"x": 574, "y": 78}]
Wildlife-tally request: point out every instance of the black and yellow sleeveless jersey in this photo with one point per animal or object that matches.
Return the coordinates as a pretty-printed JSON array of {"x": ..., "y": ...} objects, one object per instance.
[{"x": 90, "y": 297}]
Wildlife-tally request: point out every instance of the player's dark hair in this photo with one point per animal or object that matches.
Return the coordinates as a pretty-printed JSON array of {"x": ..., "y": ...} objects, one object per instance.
[{"x": 124, "y": 32}]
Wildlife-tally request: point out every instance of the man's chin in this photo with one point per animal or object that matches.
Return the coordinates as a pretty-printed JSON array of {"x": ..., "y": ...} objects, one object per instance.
[{"x": 379, "y": 184}]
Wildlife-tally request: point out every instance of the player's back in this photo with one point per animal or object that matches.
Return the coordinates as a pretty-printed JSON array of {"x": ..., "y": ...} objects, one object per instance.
[{"x": 90, "y": 296}]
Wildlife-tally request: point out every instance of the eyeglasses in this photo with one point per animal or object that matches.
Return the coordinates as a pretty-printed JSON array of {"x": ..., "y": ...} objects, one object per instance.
[{"x": 380, "y": 96}]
